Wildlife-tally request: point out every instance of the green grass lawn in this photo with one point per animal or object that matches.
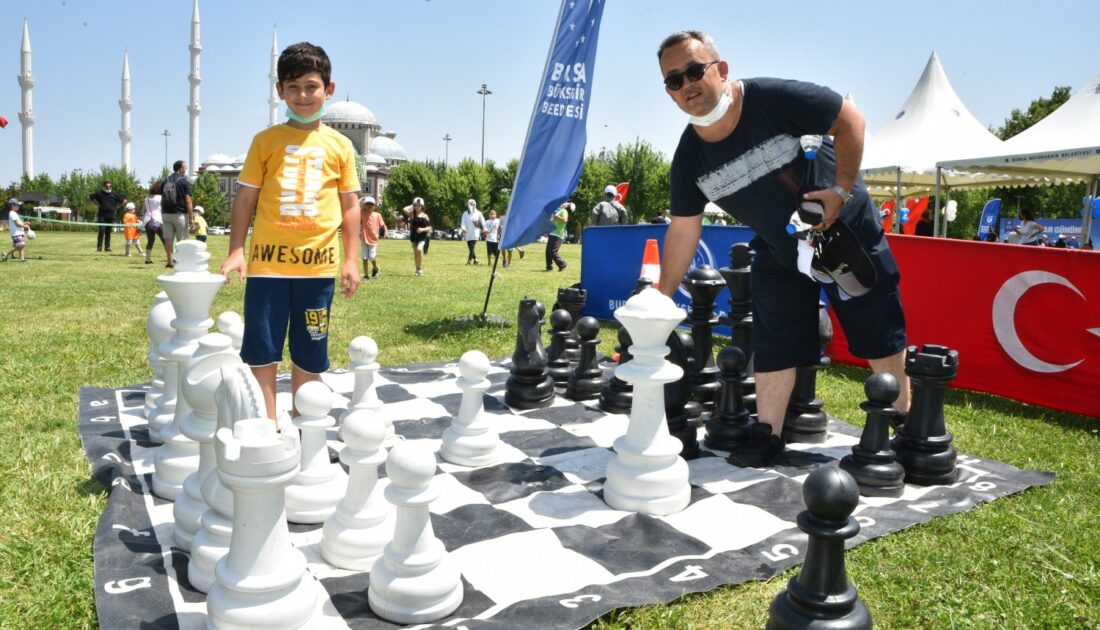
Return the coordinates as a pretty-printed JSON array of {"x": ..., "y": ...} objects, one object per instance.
[{"x": 72, "y": 317}]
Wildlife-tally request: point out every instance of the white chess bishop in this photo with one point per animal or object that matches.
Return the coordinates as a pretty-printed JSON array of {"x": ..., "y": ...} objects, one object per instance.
[
  {"x": 471, "y": 440},
  {"x": 320, "y": 484},
  {"x": 647, "y": 474}
]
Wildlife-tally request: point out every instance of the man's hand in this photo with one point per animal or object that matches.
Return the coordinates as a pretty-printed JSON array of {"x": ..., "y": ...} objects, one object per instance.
[
  {"x": 349, "y": 278},
  {"x": 234, "y": 262},
  {"x": 833, "y": 203}
]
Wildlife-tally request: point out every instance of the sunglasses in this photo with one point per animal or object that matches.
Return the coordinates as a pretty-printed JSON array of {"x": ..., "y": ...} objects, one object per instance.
[{"x": 694, "y": 72}]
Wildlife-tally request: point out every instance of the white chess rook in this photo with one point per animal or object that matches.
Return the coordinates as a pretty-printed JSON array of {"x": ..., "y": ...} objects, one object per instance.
[
  {"x": 415, "y": 580},
  {"x": 201, "y": 379},
  {"x": 363, "y": 352},
  {"x": 471, "y": 439},
  {"x": 191, "y": 290},
  {"x": 238, "y": 396},
  {"x": 320, "y": 484},
  {"x": 159, "y": 327},
  {"x": 357, "y": 532},
  {"x": 261, "y": 582},
  {"x": 648, "y": 475}
]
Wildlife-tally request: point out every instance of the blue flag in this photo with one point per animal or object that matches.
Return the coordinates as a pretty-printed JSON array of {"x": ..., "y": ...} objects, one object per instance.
[
  {"x": 553, "y": 154},
  {"x": 989, "y": 218}
]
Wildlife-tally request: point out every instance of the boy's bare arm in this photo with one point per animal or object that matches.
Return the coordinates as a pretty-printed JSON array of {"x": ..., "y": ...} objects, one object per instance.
[
  {"x": 349, "y": 228},
  {"x": 244, "y": 205}
]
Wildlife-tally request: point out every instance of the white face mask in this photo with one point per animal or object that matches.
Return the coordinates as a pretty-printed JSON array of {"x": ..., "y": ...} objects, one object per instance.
[{"x": 715, "y": 114}]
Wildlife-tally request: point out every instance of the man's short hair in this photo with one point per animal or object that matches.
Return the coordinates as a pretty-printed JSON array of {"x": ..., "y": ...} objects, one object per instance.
[
  {"x": 682, "y": 36},
  {"x": 177, "y": 166},
  {"x": 302, "y": 58}
]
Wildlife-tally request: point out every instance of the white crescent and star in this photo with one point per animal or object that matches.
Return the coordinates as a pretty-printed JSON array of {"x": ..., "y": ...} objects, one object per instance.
[{"x": 1004, "y": 319}]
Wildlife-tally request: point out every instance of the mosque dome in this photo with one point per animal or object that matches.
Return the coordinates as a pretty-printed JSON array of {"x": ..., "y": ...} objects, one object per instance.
[
  {"x": 349, "y": 112},
  {"x": 374, "y": 158},
  {"x": 219, "y": 159},
  {"x": 388, "y": 148}
]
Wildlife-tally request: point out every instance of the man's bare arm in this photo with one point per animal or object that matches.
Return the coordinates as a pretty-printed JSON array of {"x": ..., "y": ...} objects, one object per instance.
[{"x": 681, "y": 239}]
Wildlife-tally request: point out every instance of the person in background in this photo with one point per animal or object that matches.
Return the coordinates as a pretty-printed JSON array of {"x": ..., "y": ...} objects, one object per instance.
[
  {"x": 608, "y": 211},
  {"x": 473, "y": 223},
  {"x": 491, "y": 232},
  {"x": 108, "y": 202},
  {"x": 1061, "y": 243},
  {"x": 198, "y": 224},
  {"x": 420, "y": 230},
  {"x": 661, "y": 218},
  {"x": 924, "y": 226},
  {"x": 132, "y": 231},
  {"x": 17, "y": 228},
  {"x": 1028, "y": 228},
  {"x": 154, "y": 224},
  {"x": 373, "y": 229},
  {"x": 176, "y": 208},
  {"x": 555, "y": 238}
]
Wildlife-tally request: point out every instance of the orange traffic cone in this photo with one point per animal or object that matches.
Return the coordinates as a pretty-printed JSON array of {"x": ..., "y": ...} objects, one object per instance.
[{"x": 651, "y": 263}]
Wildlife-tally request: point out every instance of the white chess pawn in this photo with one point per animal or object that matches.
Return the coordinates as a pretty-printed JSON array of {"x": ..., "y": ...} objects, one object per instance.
[
  {"x": 648, "y": 475},
  {"x": 231, "y": 324},
  {"x": 471, "y": 439},
  {"x": 320, "y": 484},
  {"x": 261, "y": 582},
  {"x": 355, "y": 535},
  {"x": 159, "y": 327},
  {"x": 415, "y": 580},
  {"x": 363, "y": 352}
]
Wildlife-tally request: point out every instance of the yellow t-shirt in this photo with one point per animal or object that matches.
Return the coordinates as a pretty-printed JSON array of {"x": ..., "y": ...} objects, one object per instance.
[
  {"x": 200, "y": 225},
  {"x": 300, "y": 174}
]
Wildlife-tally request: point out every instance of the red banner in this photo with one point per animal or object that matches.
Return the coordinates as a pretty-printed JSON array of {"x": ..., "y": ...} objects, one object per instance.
[{"x": 1025, "y": 320}]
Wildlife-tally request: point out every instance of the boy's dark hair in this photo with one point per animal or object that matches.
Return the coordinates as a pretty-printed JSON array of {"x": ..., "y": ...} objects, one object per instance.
[
  {"x": 302, "y": 58},
  {"x": 177, "y": 166}
]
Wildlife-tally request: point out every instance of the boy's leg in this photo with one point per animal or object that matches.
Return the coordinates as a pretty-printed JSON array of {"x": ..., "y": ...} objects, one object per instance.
[
  {"x": 266, "y": 312},
  {"x": 299, "y": 377},
  {"x": 265, "y": 376},
  {"x": 310, "y": 305}
]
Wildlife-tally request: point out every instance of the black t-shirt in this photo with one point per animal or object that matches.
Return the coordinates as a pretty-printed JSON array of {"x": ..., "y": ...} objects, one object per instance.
[
  {"x": 756, "y": 172},
  {"x": 183, "y": 190},
  {"x": 419, "y": 222},
  {"x": 108, "y": 203}
]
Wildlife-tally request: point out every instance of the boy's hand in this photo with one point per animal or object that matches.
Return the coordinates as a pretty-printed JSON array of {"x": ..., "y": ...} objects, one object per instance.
[
  {"x": 349, "y": 278},
  {"x": 233, "y": 262}
]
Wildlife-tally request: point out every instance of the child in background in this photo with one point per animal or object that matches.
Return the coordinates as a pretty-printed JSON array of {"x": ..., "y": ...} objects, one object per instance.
[
  {"x": 198, "y": 226},
  {"x": 131, "y": 231},
  {"x": 16, "y": 225},
  {"x": 374, "y": 228},
  {"x": 299, "y": 182}
]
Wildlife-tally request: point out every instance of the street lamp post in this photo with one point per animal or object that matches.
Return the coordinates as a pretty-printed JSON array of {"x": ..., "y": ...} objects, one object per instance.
[
  {"x": 166, "y": 134},
  {"x": 484, "y": 91},
  {"x": 446, "y": 147}
]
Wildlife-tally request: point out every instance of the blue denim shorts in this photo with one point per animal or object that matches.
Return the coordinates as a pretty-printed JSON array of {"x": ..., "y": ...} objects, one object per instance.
[{"x": 274, "y": 306}]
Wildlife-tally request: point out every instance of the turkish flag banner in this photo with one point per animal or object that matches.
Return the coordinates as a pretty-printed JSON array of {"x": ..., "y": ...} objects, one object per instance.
[
  {"x": 3, "y": 122},
  {"x": 1025, "y": 320}
]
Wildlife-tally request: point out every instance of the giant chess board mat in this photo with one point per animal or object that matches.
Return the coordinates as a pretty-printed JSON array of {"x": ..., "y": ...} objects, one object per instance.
[{"x": 536, "y": 544}]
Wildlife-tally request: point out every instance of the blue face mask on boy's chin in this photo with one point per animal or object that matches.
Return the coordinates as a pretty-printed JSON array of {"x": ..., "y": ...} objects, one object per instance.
[{"x": 296, "y": 118}]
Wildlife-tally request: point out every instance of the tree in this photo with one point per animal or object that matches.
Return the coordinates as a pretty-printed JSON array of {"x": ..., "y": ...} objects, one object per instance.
[
  {"x": 647, "y": 171},
  {"x": 501, "y": 180},
  {"x": 469, "y": 180},
  {"x": 594, "y": 178},
  {"x": 408, "y": 180},
  {"x": 75, "y": 187},
  {"x": 207, "y": 192}
]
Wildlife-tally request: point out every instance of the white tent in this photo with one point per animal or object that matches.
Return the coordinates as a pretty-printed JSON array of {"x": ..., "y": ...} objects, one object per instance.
[{"x": 1062, "y": 148}]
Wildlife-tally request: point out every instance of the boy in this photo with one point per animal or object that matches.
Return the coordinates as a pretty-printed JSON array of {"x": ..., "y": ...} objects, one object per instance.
[
  {"x": 16, "y": 225},
  {"x": 132, "y": 231},
  {"x": 374, "y": 228},
  {"x": 198, "y": 224},
  {"x": 299, "y": 181}
]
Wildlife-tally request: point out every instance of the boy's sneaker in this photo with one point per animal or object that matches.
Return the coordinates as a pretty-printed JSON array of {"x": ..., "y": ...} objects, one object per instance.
[
  {"x": 521, "y": 254},
  {"x": 761, "y": 449},
  {"x": 374, "y": 274},
  {"x": 4, "y": 257},
  {"x": 419, "y": 272}
]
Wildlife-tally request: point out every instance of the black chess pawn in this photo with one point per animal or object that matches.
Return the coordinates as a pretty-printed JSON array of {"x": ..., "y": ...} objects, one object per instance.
[
  {"x": 820, "y": 596},
  {"x": 738, "y": 281},
  {"x": 678, "y": 403},
  {"x": 730, "y": 423},
  {"x": 618, "y": 395},
  {"x": 703, "y": 283},
  {"x": 573, "y": 300},
  {"x": 872, "y": 463},
  {"x": 587, "y": 378},
  {"x": 805, "y": 420},
  {"x": 923, "y": 443},
  {"x": 557, "y": 363},
  {"x": 529, "y": 385}
]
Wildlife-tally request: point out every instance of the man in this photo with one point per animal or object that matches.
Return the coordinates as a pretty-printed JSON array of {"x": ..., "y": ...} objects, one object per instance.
[
  {"x": 554, "y": 240},
  {"x": 472, "y": 225},
  {"x": 108, "y": 202},
  {"x": 741, "y": 151},
  {"x": 176, "y": 208},
  {"x": 608, "y": 211}
]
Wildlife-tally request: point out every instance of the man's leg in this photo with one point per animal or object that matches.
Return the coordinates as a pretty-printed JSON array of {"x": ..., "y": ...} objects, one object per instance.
[
  {"x": 773, "y": 392},
  {"x": 107, "y": 238},
  {"x": 894, "y": 364}
]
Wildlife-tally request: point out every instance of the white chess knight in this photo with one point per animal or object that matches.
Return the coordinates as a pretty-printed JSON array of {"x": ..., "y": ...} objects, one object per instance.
[
  {"x": 191, "y": 289},
  {"x": 471, "y": 440},
  {"x": 261, "y": 582},
  {"x": 320, "y": 484},
  {"x": 647, "y": 474},
  {"x": 414, "y": 580},
  {"x": 159, "y": 327},
  {"x": 357, "y": 532}
]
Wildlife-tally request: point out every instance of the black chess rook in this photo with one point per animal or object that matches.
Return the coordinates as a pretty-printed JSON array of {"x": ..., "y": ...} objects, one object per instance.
[
  {"x": 729, "y": 425},
  {"x": 703, "y": 283},
  {"x": 587, "y": 380},
  {"x": 923, "y": 443},
  {"x": 806, "y": 421},
  {"x": 820, "y": 596},
  {"x": 872, "y": 464},
  {"x": 529, "y": 384},
  {"x": 738, "y": 281}
]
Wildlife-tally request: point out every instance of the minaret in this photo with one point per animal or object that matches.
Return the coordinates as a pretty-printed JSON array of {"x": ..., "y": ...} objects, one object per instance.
[
  {"x": 125, "y": 104},
  {"x": 194, "y": 108},
  {"x": 26, "y": 115},
  {"x": 273, "y": 76}
]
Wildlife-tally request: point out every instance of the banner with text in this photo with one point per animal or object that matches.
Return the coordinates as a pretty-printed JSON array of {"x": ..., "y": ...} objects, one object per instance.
[
  {"x": 1025, "y": 320},
  {"x": 553, "y": 154}
]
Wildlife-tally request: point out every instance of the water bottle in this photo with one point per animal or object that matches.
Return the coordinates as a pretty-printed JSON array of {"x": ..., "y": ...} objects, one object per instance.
[{"x": 811, "y": 211}]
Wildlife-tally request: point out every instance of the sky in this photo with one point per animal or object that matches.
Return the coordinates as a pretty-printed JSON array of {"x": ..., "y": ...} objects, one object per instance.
[{"x": 418, "y": 65}]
